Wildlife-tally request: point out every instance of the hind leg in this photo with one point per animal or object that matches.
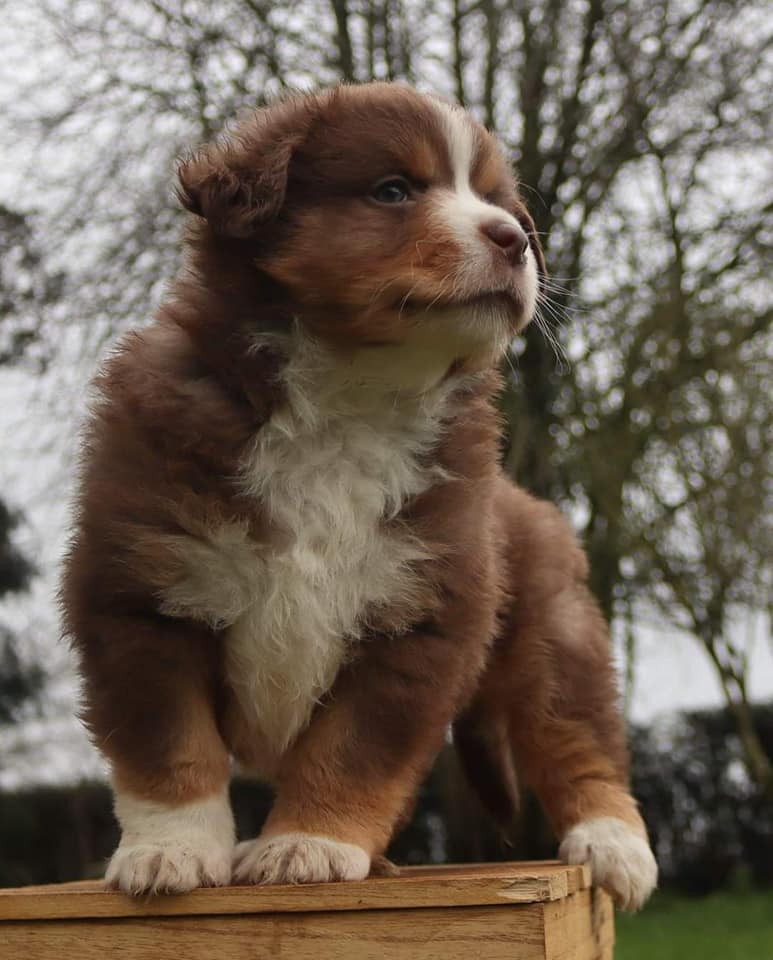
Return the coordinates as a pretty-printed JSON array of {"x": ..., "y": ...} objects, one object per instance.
[{"x": 549, "y": 701}]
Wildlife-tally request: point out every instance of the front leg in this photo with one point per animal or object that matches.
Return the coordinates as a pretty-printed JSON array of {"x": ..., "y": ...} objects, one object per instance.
[
  {"x": 549, "y": 702},
  {"x": 344, "y": 784},
  {"x": 150, "y": 703},
  {"x": 547, "y": 714}
]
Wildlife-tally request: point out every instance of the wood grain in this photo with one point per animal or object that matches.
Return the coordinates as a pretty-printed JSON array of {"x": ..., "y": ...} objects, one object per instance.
[
  {"x": 473, "y": 885},
  {"x": 580, "y": 927},
  {"x": 462, "y": 933},
  {"x": 524, "y": 911}
]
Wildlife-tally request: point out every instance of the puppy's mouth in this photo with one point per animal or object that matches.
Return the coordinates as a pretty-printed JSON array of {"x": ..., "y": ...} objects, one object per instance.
[
  {"x": 502, "y": 305},
  {"x": 507, "y": 300}
]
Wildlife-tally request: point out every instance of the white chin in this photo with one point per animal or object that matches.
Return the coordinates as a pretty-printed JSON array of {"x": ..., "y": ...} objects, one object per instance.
[{"x": 479, "y": 329}]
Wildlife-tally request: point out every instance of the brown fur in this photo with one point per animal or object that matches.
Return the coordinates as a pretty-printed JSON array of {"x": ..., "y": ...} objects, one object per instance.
[
  {"x": 548, "y": 702},
  {"x": 502, "y": 632}
]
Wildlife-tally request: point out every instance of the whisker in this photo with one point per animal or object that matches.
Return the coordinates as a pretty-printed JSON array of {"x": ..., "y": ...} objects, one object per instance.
[
  {"x": 537, "y": 194},
  {"x": 511, "y": 360},
  {"x": 441, "y": 291},
  {"x": 553, "y": 330},
  {"x": 559, "y": 314},
  {"x": 564, "y": 363},
  {"x": 561, "y": 291},
  {"x": 380, "y": 289},
  {"x": 563, "y": 312}
]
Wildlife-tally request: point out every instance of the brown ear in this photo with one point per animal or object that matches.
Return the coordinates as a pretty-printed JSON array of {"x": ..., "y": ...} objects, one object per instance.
[
  {"x": 214, "y": 184},
  {"x": 240, "y": 182}
]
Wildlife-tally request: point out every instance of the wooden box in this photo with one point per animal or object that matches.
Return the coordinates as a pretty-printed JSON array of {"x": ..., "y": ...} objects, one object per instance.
[{"x": 517, "y": 911}]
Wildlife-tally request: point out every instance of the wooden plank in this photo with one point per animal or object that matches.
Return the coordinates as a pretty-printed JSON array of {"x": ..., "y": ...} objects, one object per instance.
[
  {"x": 483, "y": 933},
  {"x": 452, "y": 886},
  {"x": 580, "y": 927},
  {"x": 603, "y": 917}
]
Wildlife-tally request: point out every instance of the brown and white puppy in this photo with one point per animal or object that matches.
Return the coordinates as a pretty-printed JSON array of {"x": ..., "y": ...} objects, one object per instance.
[{"x": 294, "y": 543}]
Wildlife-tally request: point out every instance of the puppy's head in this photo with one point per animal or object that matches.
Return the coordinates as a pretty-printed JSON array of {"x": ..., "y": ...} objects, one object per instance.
[{"x": 377, "y": 210}]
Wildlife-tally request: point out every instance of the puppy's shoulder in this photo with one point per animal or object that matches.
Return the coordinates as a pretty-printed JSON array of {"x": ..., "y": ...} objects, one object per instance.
[
  {"x": 157, "y": 391},
  {"x": 538, "y": 542}
]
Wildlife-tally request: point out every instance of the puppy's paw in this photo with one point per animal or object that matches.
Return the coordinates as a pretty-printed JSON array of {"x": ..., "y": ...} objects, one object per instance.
[
  {"x": 298, "y": 858},
  {"x": 172, "y": 849},
  {"x": 619, "y": 857},
  {"x": 174, "y": 867}
]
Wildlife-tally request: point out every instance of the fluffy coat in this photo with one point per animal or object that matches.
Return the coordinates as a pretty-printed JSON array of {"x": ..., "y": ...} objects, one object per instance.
[{"x": 294, "y": 544}]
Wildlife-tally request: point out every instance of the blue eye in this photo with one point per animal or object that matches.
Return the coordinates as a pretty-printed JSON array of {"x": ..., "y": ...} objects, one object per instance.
[{"x": 393, "y": 190}]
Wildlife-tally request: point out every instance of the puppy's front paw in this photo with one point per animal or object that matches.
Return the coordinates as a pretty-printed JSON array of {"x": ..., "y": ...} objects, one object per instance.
[
  {"x": 172, "y": 849},
  {"x": 298, "y": 858},
  {"x": 619, "y": 857},
  {"x": 174, "y": 867}
]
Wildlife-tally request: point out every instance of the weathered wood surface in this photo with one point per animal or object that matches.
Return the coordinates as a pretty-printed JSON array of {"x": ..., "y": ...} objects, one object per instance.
[
  {"x": 524, "y": 911},
  {"x": 445, "y": 886}
]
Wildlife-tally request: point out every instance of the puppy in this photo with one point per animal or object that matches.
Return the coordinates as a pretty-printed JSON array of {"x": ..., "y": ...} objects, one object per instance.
[{"x": 294, "y": 544}]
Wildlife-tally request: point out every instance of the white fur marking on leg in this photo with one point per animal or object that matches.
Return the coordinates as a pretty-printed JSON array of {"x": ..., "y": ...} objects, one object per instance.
[
  {"x": 619, "y": 856},
  {"x": 171, "y": 849},
  {"x": 299, "y": 858}
]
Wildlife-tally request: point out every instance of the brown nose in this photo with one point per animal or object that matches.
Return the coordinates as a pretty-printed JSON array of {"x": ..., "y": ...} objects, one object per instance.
[{"x": 509, "y": 237}]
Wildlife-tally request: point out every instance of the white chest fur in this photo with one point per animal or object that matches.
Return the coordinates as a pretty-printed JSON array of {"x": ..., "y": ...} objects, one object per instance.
[{"x": 340, "y": 457}]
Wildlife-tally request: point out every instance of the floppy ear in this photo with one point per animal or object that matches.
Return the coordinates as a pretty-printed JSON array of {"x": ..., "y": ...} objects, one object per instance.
[
  {"x": 233, "y": 198},
  {"x": 239, "y": 183}
]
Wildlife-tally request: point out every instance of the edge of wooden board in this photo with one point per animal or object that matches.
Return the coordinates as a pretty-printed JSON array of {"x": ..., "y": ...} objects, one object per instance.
[{"x": 415, "y": 887}]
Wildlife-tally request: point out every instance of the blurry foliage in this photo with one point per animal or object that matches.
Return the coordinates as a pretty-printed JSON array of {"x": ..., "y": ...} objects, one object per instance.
[
  {"x": 52, "y": 834},
  {"x": 24, "y": 287},
  {"x": 15, "y": 570},
  {"x": 641, "y": 132},
  {"x": 18, "y": 682},
  {"x": 708, "y": 819}
]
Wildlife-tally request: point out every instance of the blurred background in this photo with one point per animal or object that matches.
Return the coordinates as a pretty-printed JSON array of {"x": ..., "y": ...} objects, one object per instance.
[{"x": 640, "y": 402}]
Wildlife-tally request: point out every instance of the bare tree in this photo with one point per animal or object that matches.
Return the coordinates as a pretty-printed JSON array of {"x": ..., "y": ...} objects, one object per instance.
[
  {"x": 705, "y": 533},
  {"x": 26, "y": 288}
]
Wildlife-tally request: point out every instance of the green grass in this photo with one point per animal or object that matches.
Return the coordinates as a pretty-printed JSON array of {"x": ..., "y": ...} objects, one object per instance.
[{"x": 726, "y": 926}]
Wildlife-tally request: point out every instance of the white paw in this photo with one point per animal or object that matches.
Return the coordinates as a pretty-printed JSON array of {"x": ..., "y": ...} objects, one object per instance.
[
  {"x": 298, "y": 858},
  {"x": 171, "y": 849},
  {"x": 619, "y": 857},
  {"x": 168, "y": 868}
]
